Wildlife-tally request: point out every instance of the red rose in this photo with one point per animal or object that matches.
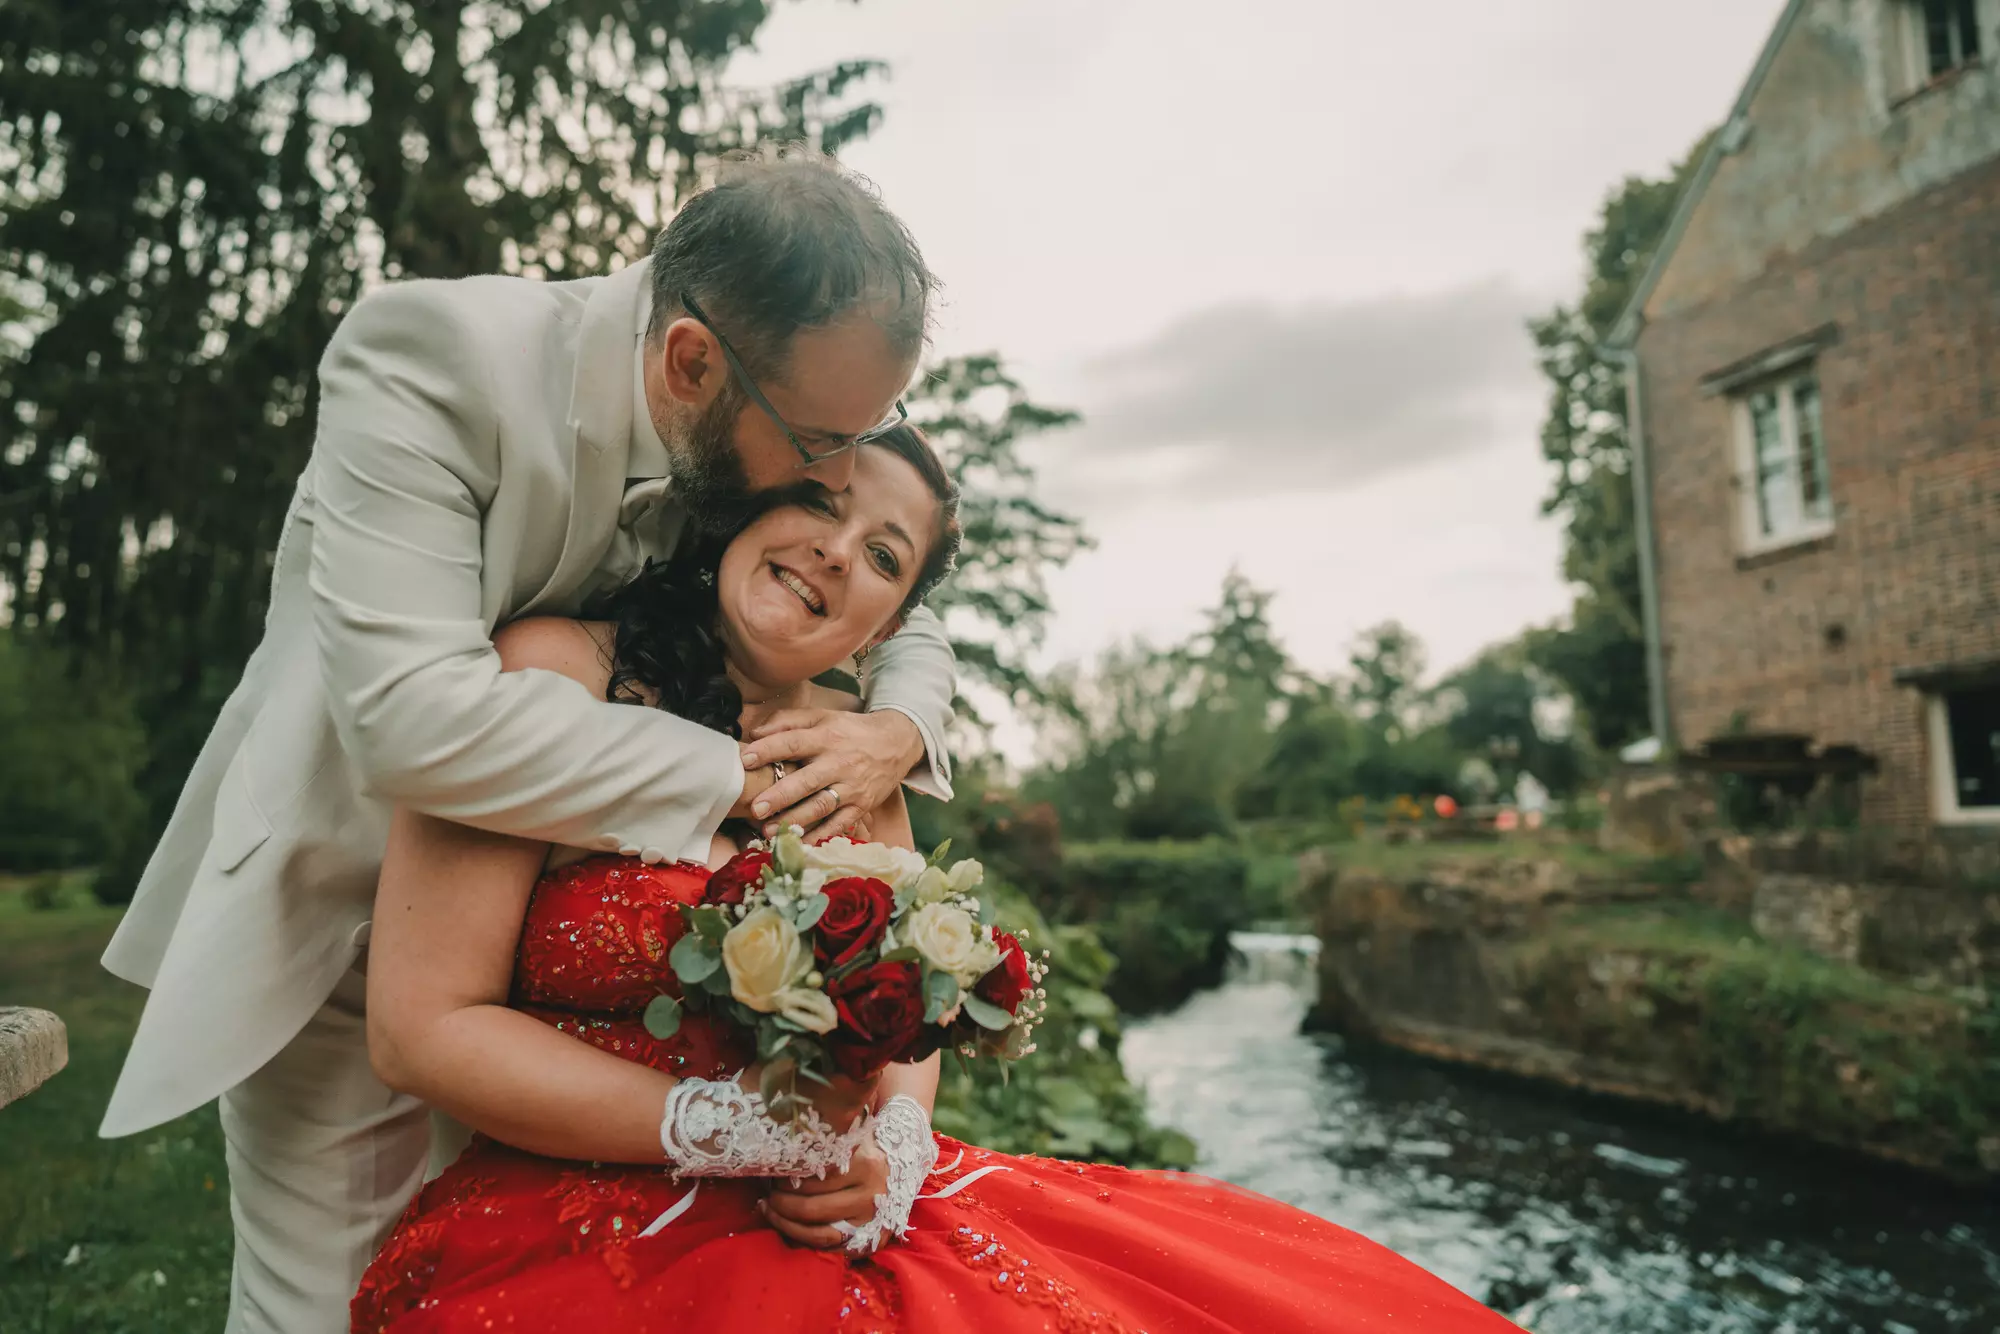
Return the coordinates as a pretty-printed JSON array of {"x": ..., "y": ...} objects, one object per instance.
[
  {"x": 881, "y": 1012},
  {"x": 857, "y": 909},
  {"x": 1008, "y": 981},
  {"x": 735, "y": 877}
]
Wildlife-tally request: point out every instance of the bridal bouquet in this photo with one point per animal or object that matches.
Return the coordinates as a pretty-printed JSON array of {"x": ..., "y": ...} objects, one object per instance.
[{"x": 844, "y": 957}]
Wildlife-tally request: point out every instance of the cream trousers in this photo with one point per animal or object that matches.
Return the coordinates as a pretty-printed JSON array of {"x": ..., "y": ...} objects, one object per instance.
[{"x": 322, "y": 1159}]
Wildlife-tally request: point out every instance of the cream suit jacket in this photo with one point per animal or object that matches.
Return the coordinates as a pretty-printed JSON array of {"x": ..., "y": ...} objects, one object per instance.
[{"x": 469, "y": 469}]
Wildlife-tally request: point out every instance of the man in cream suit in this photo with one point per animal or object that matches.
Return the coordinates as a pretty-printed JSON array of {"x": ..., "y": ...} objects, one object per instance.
[{"x": 492, "y": 448}]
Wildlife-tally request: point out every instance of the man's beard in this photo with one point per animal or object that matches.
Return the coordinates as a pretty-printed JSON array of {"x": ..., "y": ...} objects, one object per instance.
[{"x": 708, "y": 473}]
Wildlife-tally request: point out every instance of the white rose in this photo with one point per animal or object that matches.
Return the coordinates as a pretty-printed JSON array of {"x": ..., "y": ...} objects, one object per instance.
[
  {"x": 839, "y": 857},
  {"x": 952, "y": 942},
  {"x": 764, "y": 956},
  {"x": 966, "y": 876},
  {"x": 809, "y": 1009},
  {"x": 932, "y": 887}
]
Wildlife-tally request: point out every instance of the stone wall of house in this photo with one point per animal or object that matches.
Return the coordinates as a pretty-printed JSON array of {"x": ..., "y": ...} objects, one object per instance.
[
  {"x": 1836, "y": 135},
  {"x": 1809, "y": 638}
]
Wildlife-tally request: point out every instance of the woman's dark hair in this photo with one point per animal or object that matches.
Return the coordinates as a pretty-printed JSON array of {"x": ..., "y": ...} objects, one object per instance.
[{"x": 666, "y": 619}]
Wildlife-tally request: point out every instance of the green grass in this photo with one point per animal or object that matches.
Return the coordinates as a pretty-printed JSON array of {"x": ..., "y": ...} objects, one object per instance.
[{"x": 98, "y": 1236}]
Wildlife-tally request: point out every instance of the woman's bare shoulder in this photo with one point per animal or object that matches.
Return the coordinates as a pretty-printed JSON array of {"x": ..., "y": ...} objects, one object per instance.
[{"x": 580, "y": 650}]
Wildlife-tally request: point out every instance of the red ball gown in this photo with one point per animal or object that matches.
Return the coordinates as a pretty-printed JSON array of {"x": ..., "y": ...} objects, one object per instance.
[{"x": 505, "y": 1240}]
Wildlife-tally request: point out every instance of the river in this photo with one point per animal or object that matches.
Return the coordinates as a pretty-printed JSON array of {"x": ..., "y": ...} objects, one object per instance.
[{"x": 1571, "y": 1217}]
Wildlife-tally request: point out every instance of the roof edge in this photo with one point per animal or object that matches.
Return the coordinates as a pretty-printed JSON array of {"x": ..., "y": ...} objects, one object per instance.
[{"x": 1625, "y": 333}]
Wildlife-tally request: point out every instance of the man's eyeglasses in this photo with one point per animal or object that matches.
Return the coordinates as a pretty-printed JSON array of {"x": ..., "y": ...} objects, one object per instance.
[{"x": 827, "y": 448}]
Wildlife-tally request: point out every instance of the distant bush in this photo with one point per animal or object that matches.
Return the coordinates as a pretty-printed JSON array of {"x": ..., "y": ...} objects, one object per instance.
[
  {"x": 1070, "y": 1098},
  {"x": 70, "y": 752},
  {"x": 1166, "y": 911}
]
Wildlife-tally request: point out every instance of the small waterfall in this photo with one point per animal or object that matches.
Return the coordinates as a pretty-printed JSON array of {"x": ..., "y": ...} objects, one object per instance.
[{"x": 1274, "y": 956}]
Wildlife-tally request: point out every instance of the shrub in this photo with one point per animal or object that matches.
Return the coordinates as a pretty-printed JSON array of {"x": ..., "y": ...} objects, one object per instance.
[
  {"x": 1070, "y": 1098},
  {"x": 1165, "y": 910}
]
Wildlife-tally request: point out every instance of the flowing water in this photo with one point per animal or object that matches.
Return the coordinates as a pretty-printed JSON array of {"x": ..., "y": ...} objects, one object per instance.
[{"x": 1571, "y": 1217}]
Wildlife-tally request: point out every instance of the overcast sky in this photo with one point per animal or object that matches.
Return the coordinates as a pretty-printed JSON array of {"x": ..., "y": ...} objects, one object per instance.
[{"x": 1278, "y": 252}]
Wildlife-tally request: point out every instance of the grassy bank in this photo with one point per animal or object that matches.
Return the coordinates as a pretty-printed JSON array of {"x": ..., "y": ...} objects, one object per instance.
[{"x": 99, "y": 1237}]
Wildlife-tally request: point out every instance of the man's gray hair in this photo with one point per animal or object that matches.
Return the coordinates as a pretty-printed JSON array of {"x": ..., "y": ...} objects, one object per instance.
[{"x": 788, "y": 240}]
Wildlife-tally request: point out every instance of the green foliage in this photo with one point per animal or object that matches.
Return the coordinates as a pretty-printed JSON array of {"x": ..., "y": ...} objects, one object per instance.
[
  {"x": 997, "y": 600},
  {"x": 1070, "y": 1098},
  {"x": 1600, "y": 655},
  {"x": 1493, "y": 709},
  {"x": 1775, "y": 1036},
  {"x": 191, "y": 197},
  {"x": 72, "y": 754},
  {"x": 1165, "y": 910}
]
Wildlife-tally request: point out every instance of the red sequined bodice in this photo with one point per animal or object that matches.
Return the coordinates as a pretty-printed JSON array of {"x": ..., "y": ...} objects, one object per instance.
[{"x": 593, "y": 955}]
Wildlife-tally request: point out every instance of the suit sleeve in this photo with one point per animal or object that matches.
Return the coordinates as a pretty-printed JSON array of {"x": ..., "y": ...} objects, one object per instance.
[
  {"x": 914, "y": 672},
  {"x": 407, "y": 459}
]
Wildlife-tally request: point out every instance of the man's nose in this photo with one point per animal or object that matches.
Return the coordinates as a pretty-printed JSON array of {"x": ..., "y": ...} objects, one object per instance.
[{"x": 836, "y": 473}]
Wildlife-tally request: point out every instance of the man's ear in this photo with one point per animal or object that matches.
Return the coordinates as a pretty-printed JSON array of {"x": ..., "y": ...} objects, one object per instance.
[{"x": 690, "y": 363}]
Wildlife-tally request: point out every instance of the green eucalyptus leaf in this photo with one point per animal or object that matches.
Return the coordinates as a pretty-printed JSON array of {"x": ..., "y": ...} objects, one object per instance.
[
  {"x": 811, "y": 909},
  {"x": 987, "y": 1015},
  {"x": 712, "y": 923},
  {"x": 663, "y": 1017},
  {"x": 694, "y": 959},
  {"x": 940, "y": 994},
  {"x": 906, "y": 954}
]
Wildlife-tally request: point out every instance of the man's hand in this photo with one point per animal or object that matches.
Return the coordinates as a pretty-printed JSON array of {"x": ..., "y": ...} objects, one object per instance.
[
  {"x": 861, "y": 757},
  {"x": 805, "y": 1213}
]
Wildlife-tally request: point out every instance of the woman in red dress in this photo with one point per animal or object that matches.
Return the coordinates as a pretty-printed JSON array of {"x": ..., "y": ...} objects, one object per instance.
[{"x": 507, "y": 987}]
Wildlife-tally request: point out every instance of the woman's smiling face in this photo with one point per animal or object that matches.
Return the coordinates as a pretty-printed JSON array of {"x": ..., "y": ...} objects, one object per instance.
[{"x": 810, "y": 583}]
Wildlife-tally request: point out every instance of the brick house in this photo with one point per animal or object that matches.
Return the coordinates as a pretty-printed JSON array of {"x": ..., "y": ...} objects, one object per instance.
[{"x": 1813, "y": 365}]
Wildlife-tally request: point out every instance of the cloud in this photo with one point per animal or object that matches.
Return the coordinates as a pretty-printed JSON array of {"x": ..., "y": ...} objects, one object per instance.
[{"x": 1246, "y": 399}]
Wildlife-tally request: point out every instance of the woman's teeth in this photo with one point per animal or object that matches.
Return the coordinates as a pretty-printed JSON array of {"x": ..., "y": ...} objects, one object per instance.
[{"x": 800, "y": 587}]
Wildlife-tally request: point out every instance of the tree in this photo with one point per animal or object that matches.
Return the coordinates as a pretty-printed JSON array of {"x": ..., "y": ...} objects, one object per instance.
[
  {"x": 1600, "y": 655},
  {"x": 997, "y": 602},
  {"x": 191, "y": 196},
  {"x": 73, "y": 748},
  {"x": 1387, "y": 662},
  {"x": 1494, "y": 711}
]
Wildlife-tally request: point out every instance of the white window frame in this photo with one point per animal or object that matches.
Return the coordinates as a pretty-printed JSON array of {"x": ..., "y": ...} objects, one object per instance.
[
  {"x": 1944, "y": 771},
  {"x": 1808, "y": 527},
  {"x": 1910, "y": 40}
]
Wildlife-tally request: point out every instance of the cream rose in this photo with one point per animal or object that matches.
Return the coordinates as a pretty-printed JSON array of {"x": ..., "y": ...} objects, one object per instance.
[
  {"x": 839, "y": 857},
  {"x": 951, "y": 941},
  {"x": 932, "y": 886},
  {"x": 808, "y": 1008},
  {"x": 764, "y": 957},
  {"x": 966, "y": 876}
]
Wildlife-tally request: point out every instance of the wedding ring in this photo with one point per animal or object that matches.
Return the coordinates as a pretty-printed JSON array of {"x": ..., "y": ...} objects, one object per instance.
[
  {"x": 777, "y": 771},
  {"x": 836, "y": 798}
]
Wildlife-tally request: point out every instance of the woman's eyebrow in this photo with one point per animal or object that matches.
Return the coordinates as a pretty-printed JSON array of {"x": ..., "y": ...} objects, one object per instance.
[{"x": 895, "y": 529}]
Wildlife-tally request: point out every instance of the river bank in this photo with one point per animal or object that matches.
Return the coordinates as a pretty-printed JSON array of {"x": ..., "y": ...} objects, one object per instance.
[
  {"x": 1571, "y": 1216},
  {"x": 1691, "y": 992}
]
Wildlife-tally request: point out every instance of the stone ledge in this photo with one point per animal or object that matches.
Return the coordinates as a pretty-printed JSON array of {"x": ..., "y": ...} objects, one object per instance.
[{"x": 33, "y": 1047}]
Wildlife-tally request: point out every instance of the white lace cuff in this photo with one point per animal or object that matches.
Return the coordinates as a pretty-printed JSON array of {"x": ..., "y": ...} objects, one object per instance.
[
  {"x": 903, "y": 1133},
  {"x": 716, "y": 1128}
]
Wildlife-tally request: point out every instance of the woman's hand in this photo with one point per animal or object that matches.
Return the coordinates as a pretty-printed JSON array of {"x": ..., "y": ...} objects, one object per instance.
[
  {"x": 805, "y": 1213},
  {"x": 838, "y": 1101}
]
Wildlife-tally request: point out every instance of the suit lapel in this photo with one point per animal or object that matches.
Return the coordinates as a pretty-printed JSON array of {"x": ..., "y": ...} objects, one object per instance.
[{"x": 600, "y": 417}]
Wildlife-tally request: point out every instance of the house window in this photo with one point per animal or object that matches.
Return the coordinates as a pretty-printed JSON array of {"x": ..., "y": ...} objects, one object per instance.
[
  {"x": 1937, "y": 37},
  {"x": 1782, "y": 468},
  {"x": 1965, "y": 755}
]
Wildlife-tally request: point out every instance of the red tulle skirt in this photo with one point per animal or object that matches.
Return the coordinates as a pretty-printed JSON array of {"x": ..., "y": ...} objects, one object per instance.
[{"x": 508, "y": 1241}]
